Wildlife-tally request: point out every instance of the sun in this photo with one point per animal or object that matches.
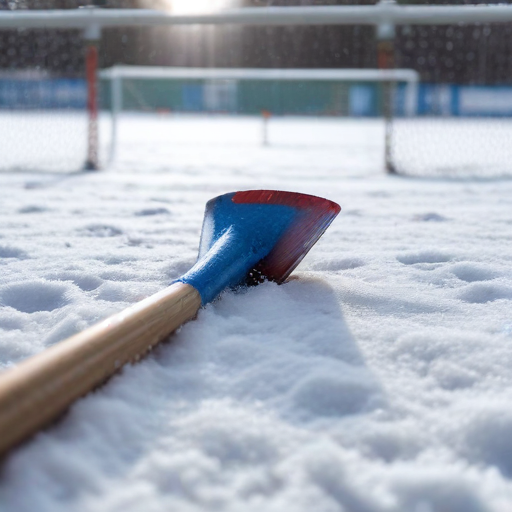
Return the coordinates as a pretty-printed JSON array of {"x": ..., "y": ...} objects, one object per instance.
[{"x": 197, "y": 6}]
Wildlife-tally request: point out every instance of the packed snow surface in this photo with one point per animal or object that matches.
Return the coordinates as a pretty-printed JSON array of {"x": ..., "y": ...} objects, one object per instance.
[{"x": 377, "y": 379}]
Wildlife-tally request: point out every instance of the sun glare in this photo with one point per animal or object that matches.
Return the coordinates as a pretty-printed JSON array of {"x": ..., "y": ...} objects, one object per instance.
[{"x": 197, "y": 6}]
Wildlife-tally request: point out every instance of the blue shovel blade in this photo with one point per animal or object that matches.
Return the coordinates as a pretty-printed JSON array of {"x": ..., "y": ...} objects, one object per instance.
[{"x": 256, "y": 233}]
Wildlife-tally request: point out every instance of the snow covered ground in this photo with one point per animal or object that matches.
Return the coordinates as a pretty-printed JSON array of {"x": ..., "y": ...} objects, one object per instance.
[{"x": 378, "y": 379}]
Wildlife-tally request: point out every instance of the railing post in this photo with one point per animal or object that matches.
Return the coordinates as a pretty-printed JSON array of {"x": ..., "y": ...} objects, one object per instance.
[
  {"x": 116, "y": 105},
  {"x": 92, "y": 35},
  {"x": 385, "y": 33}
]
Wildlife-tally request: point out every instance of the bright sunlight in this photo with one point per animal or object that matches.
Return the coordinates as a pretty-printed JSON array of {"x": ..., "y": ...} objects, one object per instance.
[{"x": 197, "y": 6}]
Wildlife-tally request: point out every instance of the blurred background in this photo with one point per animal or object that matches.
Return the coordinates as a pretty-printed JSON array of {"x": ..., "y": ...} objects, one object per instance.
[
  {"x": 459, "y": 71},
  {"x": 452, "y": 54}
]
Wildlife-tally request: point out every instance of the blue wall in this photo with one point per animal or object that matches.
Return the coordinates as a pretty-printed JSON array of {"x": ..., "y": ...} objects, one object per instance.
[
  {"x": 43, "y": 94},
  {"x": 459, "y": 100},
  {"x": 364, "y": 99}
]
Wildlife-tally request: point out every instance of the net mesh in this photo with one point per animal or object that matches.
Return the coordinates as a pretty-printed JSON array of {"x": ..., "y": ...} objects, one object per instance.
[
  {"x": 463, "y": 125},
  {"x": 452, "y": 147},
  {"x": 43, "y": 119}
]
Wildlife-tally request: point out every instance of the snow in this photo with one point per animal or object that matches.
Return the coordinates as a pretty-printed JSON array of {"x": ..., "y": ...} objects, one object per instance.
[{"x": 377, "y": 379}]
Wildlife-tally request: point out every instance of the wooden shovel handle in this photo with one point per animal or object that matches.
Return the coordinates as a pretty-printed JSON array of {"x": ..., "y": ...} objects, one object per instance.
[{"x": 40, "y": 388}]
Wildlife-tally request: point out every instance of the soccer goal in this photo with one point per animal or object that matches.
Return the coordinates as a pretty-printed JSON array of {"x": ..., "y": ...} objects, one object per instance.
[{"x": 256, "y": 92}]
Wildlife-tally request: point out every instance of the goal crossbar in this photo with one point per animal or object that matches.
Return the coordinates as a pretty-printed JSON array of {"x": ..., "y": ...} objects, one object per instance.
[
  {"x": 384, "y": 12},
  {"x": 365, "y": 75}
]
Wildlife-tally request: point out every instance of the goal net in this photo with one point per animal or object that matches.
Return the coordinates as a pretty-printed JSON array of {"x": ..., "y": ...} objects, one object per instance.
[
  {"x": 446, "y": 100},
  {"x": 463, "y": 126},
  {"x": 44, "y": 120}
]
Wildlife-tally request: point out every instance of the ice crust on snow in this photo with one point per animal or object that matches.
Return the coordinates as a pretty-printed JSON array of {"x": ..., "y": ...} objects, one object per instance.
[{"x": 376, "y": 380}]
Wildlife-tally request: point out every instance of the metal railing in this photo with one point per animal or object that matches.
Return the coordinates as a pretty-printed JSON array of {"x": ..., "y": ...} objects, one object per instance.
[{"x": 384, "y": 12}]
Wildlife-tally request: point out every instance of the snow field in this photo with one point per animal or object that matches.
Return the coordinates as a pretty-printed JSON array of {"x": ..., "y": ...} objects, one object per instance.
[{"x": 377, "y": 379}]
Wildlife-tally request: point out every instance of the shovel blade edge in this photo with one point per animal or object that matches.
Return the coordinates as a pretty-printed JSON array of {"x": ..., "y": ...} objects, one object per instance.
[{"x": 313, "y": 215}]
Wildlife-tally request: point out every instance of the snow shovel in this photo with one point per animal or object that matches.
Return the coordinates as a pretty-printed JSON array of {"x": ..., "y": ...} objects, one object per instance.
[{"x": 246, "y": 237}]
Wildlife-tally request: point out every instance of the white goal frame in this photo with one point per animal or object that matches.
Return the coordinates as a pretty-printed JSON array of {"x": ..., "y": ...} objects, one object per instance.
[{"x": 116, "y": 75}]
